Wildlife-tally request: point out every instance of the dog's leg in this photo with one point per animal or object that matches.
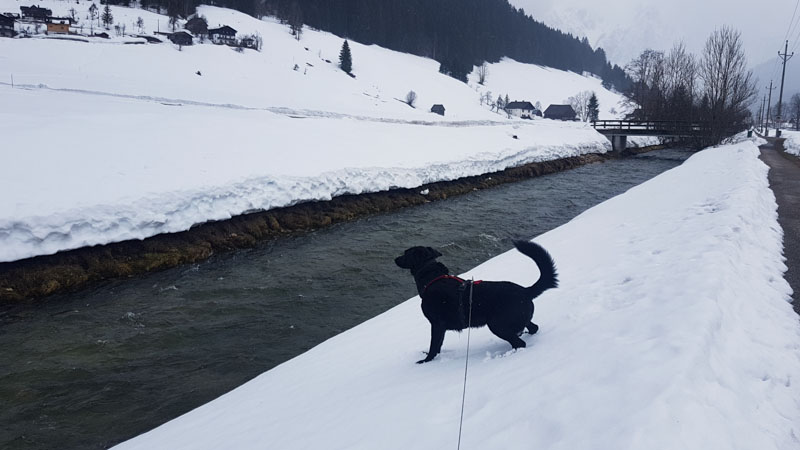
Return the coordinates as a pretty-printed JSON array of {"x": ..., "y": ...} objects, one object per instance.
[
  {"x": 532, "y": 328},
  {"x": 507, "y": 335},
  {"x": 437, "y": 338}
]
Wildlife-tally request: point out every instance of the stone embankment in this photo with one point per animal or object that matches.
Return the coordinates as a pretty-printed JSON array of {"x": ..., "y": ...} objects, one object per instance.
[{"x": 71, "y": 270}]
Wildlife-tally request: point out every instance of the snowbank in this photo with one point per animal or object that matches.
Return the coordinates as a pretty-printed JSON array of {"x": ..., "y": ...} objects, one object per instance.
[
  {"x": 671, "y": 330},
  {"x": 115, "y": 168},
  {"x": 792, "y": 142}
]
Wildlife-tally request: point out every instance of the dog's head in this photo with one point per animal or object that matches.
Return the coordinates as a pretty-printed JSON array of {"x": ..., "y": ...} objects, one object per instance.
[{"x": 416, "y": 257}]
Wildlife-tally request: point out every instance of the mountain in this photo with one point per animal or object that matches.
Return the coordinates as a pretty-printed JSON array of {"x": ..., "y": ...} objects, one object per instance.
[{"x": 623, "y": 28}]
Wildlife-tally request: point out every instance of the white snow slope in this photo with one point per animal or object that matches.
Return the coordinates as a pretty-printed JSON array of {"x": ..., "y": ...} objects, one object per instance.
[
  {"x": 671, "y": 330},
  {"x": 105, "y": 141}
]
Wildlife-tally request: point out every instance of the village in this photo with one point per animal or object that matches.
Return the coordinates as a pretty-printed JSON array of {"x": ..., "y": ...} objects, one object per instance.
[
  {"x": 35, "y": 21},
  {"x": 39, "y": 21}
]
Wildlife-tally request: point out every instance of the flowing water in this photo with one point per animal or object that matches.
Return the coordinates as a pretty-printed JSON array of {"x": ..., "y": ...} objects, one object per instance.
[{"x": 93, "y": 368}]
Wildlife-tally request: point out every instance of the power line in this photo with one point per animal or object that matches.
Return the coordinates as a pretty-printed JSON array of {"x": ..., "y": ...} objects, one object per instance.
[{"x": 789, "y": 28}]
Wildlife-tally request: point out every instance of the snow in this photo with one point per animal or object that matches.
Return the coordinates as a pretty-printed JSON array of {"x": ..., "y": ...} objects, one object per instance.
[
  {"x": 171, "y": 148},
  {"x": 792, "y": 142},
  {"x": 671, "y": 329},
  {"x": 527, "y": 82}
]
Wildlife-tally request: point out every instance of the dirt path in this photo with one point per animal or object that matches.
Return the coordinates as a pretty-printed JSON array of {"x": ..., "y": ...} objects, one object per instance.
[{"x": 784, "y": 179}]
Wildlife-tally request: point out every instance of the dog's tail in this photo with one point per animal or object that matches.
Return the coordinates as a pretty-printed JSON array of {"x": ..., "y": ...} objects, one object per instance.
[{"x": 543, "y": 260}]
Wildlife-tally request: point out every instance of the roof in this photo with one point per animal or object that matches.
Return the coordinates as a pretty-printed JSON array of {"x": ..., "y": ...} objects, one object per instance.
[
  {"x": 6, "y": 19},
  {"x": 35, "y": 10},
  {"x": 222, "y": 30},
  {"x": 520, "y": 105},
  {"x": 559, "y": 110},
  {"x": 182, "y": 32}
]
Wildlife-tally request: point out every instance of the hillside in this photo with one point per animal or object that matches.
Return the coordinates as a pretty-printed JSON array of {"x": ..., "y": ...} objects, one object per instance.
[{"x": 174, "y": 148}]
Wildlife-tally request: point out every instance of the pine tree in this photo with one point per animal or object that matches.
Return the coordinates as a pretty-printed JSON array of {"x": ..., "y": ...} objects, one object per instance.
[
  {"x": 107, "y": 18},
  {"x": 345, "y": 58},
  {"x": 594, "y": 107}
]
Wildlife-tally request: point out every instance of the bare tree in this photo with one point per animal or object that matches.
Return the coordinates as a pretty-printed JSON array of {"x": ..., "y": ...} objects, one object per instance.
[
  {"x": 647, "y": 73},
  {"x": 580, "y": 103},
  {"x": 140, "y": 24},
  {"x": 411, "y": 97},
  {"x": 483, "y": 72},
  {"x": 794, "y": 110},
  {"x": 727, "y": 84}
]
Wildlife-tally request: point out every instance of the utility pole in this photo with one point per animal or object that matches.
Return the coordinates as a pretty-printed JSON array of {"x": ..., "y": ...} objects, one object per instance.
[
  {"x": 761, "y": 113},
  {"x": 769, "y": 105},
  {"x": 786, "y": 57}
]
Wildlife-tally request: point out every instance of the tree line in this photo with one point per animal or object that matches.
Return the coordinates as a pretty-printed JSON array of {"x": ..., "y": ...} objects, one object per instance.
[
  {"x": 459, "y": 34},
  {"x": 715, "y": 87}
]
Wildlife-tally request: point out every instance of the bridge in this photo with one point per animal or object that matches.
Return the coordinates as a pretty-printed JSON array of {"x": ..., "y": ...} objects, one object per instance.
[{"x": 619, "y": 130}]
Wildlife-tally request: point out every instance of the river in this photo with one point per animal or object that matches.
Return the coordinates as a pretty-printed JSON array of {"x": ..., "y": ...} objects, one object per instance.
[{"x": 93, "y": 368}]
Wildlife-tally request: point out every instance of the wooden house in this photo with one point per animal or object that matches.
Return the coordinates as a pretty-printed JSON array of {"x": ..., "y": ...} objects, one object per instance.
[
  {"x": 197, "y": 26},
  {"x": 560, "y": 112},
  {"x": 181, "y": 37},
  {"x": 35, "y": 13},
  {"x": 7, "y": 26},
  {"x": 58, "y": 25},
  {"x": 438, "y": 109},
  {"x": 223, "y": 35}
]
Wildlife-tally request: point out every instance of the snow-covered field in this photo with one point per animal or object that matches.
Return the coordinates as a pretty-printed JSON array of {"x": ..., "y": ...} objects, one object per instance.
[
  {"x": 105, "y": 141},
  {"x": 671, "y": 330}
]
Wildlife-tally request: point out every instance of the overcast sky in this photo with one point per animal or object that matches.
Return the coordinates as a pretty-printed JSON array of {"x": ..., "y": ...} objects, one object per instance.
[{"x": 625, "y": 27}]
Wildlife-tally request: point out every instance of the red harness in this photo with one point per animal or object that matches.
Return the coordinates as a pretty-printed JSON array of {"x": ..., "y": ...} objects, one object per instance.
[{"x": 448, "y": 277}]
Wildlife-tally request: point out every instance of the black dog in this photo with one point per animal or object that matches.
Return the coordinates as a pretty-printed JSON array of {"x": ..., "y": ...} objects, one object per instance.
[{"x": 507, "y": 308}]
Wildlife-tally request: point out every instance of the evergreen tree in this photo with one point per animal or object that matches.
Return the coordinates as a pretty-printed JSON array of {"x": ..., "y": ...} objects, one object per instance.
[
  {"x": 594, "y": 107},
  {"x": 107, "y": 18},
  {"x": 345, "y": 58}
]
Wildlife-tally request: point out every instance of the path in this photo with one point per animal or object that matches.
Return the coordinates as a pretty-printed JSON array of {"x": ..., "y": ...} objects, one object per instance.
[{"x": 784, "y": 179}]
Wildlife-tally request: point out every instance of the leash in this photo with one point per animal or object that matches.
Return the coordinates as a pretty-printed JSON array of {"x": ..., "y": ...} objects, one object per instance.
[{"x": 466, "y": 364}]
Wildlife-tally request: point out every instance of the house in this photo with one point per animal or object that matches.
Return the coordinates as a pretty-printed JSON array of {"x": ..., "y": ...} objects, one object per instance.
[
  {"x": 197, "y": 26},
  {"x": 7, "y": 26},
  {"x": 35, "y": 13},
  {"x": 223, "y": 35},
  {"x": 249, "y": 42},
  {"x": 438, "y": 109},
  {"x": 560, "y": 112},
  {"x": 58, "y": 25},
  {"x": 524, "y": 110},
  {"x": 181, "y": 37}
]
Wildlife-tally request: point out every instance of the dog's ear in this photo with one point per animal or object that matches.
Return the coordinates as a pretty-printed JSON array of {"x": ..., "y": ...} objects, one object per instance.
[{"x": 433, "y": 252}]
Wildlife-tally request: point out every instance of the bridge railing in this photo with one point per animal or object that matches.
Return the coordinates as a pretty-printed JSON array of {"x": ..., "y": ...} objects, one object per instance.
[{"x": 655, "y": 126}]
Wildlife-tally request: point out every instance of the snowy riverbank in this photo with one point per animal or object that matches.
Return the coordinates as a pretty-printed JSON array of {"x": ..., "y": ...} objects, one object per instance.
[
  {"x": 671, "y": 329},
  {"x": 198, "y": 163},
  {"x": 108, "y": 142}
]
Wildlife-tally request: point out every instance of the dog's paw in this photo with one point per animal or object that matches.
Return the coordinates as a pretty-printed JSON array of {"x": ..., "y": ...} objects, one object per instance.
[{"x": 428, "y": 358}]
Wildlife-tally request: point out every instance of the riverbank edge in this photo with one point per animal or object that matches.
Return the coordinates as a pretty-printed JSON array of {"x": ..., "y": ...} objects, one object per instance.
[{"x": 68, "y": 271}]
